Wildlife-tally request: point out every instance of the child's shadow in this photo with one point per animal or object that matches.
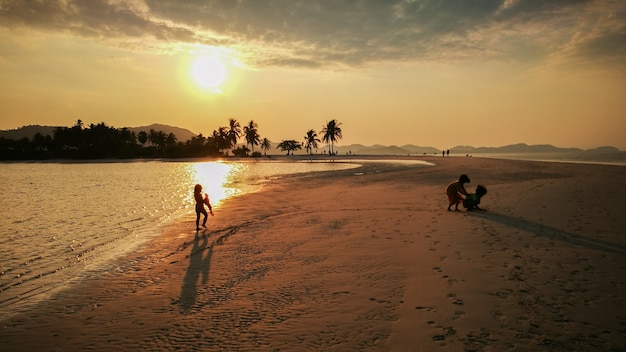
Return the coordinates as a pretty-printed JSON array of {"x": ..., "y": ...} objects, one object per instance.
[
  {"x": 198, "y": 265},
  {"x": 553, "y": 233}
]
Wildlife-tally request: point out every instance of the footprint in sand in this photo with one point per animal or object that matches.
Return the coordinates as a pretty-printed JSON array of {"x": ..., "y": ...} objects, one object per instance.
[
  {"x": 498, "y": 315},
  {"x": 449, "y": 331},
  {"x": 377, "y": 300},
  {"x": 457, "y": 301}
]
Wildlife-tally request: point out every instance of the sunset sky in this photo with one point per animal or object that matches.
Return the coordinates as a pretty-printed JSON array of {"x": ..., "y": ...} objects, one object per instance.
[{"x": 424, "y": 72}]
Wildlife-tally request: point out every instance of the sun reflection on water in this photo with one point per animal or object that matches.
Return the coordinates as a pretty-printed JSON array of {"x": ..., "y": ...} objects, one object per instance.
[{"x": 216, "y": 179}]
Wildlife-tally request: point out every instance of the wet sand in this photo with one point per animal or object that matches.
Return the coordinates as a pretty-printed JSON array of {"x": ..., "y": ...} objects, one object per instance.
[{"x": 368, "y": 260}]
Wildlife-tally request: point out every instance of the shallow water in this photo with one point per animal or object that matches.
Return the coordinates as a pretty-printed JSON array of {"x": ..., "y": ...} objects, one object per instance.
[{"x": 66, "y": 221}]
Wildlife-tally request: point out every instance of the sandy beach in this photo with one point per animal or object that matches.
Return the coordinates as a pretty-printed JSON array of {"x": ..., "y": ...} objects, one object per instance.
[{"x": 368, "y": 260}]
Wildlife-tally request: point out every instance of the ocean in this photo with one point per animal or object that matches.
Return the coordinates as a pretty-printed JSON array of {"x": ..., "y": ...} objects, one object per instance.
[{"x": 63, "y": 222}]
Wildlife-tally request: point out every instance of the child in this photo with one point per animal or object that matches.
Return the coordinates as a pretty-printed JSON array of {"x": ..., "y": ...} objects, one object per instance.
[
  {"x": 454, "y": 191},
  {"x": 200, "y": 202},
  {"x": 471, "y": 201}
]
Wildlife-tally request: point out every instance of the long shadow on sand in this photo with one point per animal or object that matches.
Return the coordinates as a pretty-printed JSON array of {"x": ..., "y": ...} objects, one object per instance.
[
  {"x": 553, "y": 233},
  {"x": 198, "y": 265}
]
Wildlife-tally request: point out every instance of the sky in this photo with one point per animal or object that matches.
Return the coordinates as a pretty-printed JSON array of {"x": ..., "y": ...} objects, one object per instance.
[{"x": 423, "y": 72}]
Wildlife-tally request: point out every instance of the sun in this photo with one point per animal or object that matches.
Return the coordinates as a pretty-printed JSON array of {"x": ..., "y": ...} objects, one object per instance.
[{"x": 209, "y": 72}]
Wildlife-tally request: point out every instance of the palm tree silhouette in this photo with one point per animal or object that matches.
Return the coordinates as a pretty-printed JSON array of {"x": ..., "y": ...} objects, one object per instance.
[
  {"x": 266, "y": 145},
  {"x": 251, "y": 134},
  {"x": 157, "y": 138},
  {"x": 310, "y": 141},
  {"x": 171, "y": 139},
  {"x": 234, "y": 131},
  {"x": 332, "y": 132},
  {"x": 221, "y": 138}
]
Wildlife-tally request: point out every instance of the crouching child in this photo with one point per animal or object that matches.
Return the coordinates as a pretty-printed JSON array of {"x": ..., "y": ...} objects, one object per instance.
[{"x": 472, "y": 200}]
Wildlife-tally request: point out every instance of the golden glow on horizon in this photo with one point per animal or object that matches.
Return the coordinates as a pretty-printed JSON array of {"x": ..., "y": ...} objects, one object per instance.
[{"x": 209, "y": 72}]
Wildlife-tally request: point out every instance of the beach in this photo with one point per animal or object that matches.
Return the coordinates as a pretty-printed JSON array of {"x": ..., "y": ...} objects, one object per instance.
[{"x": 368, "y": 260}]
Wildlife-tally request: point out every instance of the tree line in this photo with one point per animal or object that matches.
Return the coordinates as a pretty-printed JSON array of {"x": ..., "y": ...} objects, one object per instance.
[{"x": 99, "y": 141}]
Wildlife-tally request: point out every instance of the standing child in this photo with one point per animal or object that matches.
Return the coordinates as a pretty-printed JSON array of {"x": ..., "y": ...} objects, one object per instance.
[
  {"x": 455, "y": 190},
  {"x": 471, "y": 201},
  {"x": 200, "y": 202}
]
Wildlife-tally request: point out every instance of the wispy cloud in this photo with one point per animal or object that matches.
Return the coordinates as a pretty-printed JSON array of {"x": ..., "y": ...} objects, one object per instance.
[{"x": 325, "y": 33}]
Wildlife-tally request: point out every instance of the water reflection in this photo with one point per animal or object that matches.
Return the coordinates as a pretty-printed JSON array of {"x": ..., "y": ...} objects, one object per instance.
[
  {"x": 87, "y": 214},
  {"x": 217, "y": 179}
]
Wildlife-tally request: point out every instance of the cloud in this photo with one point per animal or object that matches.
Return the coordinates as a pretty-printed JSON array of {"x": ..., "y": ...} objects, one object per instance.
[{"x": 324, "y": 33}]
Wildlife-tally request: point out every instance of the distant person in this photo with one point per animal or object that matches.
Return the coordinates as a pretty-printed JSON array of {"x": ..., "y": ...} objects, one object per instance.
[
  {"x": 455, "y": 190},
  {"x": 448, "y": 152},
  {"x": 200, "y": 203},
  {"x": 443, "y": 153},
  {"x": 471, "y": 201}
]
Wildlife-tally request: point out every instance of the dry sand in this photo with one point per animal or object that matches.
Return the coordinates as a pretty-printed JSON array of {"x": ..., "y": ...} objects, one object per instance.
[{"x": 369, "y": 262}]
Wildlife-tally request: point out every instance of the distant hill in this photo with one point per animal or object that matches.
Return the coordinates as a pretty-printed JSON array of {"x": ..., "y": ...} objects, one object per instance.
[
  {"x": 27, "y": 132},
  {"x": 421, "y": 150},
  {"x": 377, "y": 149},
  {"x": 514, "y": 148},
  {"x": 182, "y": 134},
  {"x": 607, "y": 149}
]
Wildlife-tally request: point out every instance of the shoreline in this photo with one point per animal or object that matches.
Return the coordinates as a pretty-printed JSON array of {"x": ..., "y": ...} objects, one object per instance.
[
  {"x": 370, "y": 261},
  {"x": 538, "y": 157}
]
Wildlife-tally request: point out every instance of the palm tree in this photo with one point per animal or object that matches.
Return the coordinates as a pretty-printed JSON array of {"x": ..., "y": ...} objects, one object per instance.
[
  {"x": 161, "y": 138},
  {"x": 127, "y": 136},
  {"x": 153, "y": 137},
  {"x": 310, "y": 141},
  {"x": 251, "y": 134},
  {"x": 332, "y": 132},
  {"x": 234, "y": 131},
  {"x": 266, "y": 145},
  {"x": 170, "y": 139},
  {"x": 222, "y": 139},
  {"x": 39, "y": 141}
]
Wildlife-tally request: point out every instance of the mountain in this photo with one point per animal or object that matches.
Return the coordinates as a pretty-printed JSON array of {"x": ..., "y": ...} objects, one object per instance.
[
  {"x": 514, "y": 148},
  {"x": 600, "y": 150},
  {"x": 377, "y": 149},
  {"x": 420, "y": 150},
  {"x": 27, "y": 132},
  {"x": 182, "y": 134}
]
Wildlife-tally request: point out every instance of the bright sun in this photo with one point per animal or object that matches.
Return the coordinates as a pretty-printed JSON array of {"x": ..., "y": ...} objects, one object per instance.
[{"x": 209, "y": 72}]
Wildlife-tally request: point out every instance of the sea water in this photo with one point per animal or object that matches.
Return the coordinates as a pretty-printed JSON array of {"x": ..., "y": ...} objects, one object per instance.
[{"x": 62, "y": 222}]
